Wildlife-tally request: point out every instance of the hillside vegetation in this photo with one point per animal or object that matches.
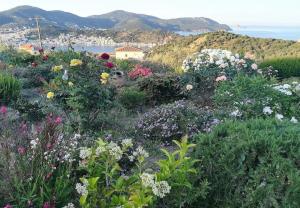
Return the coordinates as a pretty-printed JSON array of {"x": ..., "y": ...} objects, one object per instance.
[{"x": 176, "y": 51}]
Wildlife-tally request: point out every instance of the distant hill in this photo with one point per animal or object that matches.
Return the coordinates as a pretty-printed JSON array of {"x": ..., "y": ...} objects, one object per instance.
[
  {"x": 174, "y": 53},
  {"x": 117, "y": 20}
]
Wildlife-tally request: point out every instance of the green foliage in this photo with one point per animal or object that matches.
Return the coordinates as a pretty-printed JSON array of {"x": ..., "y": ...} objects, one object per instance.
[
  {"x": 161, "y": 88},
  {"x": 286, "y": 67},
  {"x": 13, "y": 57},
  {"x": 250, "y": 164},
  {"x": 9, "y": 88},
  {"x": 248, "y": 96},
  {"x": 103, "y": 184},
  {"x": 131, "y": 98}
]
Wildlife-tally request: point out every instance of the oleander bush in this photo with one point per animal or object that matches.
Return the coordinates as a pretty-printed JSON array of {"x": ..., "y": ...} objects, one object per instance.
[
  {"x": 9, "y": 88},
  {"x": 286, "y": 66},
  {"x": 250, "y": 164},
  {"x": 245, "y": 97}
]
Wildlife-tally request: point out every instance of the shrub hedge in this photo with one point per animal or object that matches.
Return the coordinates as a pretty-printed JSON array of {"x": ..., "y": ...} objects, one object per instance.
[
  {"x": 286, "y": 66},
  {"x": 251, "y": 164}
]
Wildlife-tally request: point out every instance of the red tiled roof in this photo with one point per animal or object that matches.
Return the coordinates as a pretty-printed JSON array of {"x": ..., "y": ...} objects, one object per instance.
[{"x": 129, "y": 48}]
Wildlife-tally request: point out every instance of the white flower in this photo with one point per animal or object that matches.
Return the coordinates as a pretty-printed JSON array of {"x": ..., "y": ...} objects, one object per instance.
[
  {"x": 65, "y": 77},
  {"x": 189, "y": 87},
  {"x": 294, "y": 120},
  {"x": 254, "y": 66},
  {"x": 147, "y": 179},
  {"x": 140, "y": 152},
  {"x": 85, "y": 153},
  {"x": 115, "y": 150},
  {"x": 34, "y": 143},
  {"x": 70, "y": 205},
  {"x": 81, "y": 189},
  {"x": 279, "y": 116},
  {"x": 99, "y": 150},
  {"x": 127, "y": 143},
  {"x": 161, "y": 188},
  {"x": 267, "y": 110},
  {"x": 236, "y": 113}
]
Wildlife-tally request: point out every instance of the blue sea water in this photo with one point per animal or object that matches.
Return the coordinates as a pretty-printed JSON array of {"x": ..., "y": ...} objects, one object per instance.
[{"x": 285, "y": 33}]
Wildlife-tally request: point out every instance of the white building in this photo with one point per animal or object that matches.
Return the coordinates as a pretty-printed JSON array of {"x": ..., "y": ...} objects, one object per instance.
[{"x": 129, "y": 52}]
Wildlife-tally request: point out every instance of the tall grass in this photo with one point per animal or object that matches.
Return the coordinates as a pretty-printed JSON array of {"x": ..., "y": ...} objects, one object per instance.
[
  {"x": 9, "y": 88},
  {"x": 286, "y": 66}
]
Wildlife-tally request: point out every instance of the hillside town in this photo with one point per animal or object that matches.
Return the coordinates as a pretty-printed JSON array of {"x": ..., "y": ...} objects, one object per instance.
[{"x": 21, "y": 37}]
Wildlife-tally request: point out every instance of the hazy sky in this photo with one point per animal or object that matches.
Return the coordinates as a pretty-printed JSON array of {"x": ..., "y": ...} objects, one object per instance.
[{"x": 232, "y": 12}]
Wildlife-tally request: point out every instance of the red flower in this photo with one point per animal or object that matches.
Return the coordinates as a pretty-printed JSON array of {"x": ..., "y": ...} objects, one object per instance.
[
  {"x": 21, "y": 150},
  {"x": 49, "y": 175},
  {"x": 34, "y": 64},
  {"x": 109, "y": 65},
  {"x": 45, "y": 58},
  {"x": 104, "y": 56},
  {"x": 3, "y": 109}
]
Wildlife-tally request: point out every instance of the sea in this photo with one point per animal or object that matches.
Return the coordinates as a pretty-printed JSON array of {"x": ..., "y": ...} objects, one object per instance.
[{"x": 274, "y": 32}]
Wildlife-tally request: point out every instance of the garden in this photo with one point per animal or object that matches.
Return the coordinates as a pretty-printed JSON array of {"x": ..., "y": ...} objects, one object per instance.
[{"x": 86, "y": 130}]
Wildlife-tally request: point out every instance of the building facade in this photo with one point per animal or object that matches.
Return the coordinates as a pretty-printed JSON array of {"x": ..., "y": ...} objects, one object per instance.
[{"x": 129, "y": 52}]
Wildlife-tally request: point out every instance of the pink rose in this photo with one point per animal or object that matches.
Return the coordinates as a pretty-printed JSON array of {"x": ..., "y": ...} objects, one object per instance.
[
  {"x": 221, "y": 78},
  {"x": 3, "y": 109}
]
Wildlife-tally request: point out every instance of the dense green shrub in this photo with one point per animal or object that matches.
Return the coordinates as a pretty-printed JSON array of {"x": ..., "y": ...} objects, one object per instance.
[
  {"x": 132, "y": 98},
  {"x": 286, "y": 67},
  {"x": 251, "y": 164},
  {"x": 9, "y": 88},
  {"x": 12, "y": 57},
  {"x": 161, "y": 88}
]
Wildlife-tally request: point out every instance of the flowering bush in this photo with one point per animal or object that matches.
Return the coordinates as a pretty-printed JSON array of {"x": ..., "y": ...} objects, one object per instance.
[
  {"x": 224, "y": 61},
  {"x": 36, "y": 162},
  {"x": 106, "y": 184},
  {"x": 256, "y": 96},
  {"x": 174, "y": 120},
  {"x": 139, "y": 71}
]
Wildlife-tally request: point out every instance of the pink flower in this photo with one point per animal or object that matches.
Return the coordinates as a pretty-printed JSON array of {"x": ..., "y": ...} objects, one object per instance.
[
  {"x": 109, "y": 65},
  {"x": 58, "y": 120},
  {"x": 45, "y": 58},
  {"x": 34, "y": 64},
  {"x": 139, "y": 71},
  {"x": 8, "y": 206},
  {"x": 48, "y": 205},
  {"x": 3, "y": 109},
  {"x": 221, "y": 78},
  {"x": 21, "y": 150},
  {"x": 104, "y": 56}
]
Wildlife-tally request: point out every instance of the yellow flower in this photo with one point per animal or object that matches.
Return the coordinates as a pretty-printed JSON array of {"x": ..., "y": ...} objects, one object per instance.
[
  {"x": 57, "y": 68},
  {"x": 103, "y": 81},
  {"x": 104, "y": 76},
  {"x": 70, "y": 84},
  {"x": 50, "y": 95},
  {"x": 75, "y": 62}
]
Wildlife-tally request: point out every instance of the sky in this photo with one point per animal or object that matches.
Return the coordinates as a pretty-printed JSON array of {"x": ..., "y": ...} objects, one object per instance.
[{"x": 231, "y": 12}]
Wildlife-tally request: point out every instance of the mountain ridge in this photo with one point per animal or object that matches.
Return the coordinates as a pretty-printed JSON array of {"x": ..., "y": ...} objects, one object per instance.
[{"x": 117, "y": 20}]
